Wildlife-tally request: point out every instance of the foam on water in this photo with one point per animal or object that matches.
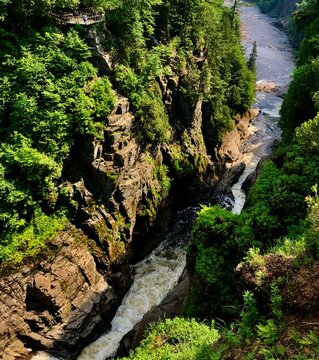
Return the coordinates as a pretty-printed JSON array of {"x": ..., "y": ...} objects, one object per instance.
[{"x": 154, "y": 277}]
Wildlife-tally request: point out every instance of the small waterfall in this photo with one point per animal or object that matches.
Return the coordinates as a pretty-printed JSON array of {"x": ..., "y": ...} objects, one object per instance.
[
  {"x": 154, "y": 277},
  {"x": 265, "y": 132}
]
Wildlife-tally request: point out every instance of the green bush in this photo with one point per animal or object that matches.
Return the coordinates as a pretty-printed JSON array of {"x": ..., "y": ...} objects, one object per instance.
[
  {"x": 31, "y": 239},
  {"x": 177, "y": 338},
  {"x": 249, "y": 316},
  {"x": 218, "y": 242},
  {"x": 154, "y": 124}
]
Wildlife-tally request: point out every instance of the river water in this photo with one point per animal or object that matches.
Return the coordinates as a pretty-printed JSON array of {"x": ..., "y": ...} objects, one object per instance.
[
  {"x": 159, "y": 272},
  {"x": 275, "y": 63}
]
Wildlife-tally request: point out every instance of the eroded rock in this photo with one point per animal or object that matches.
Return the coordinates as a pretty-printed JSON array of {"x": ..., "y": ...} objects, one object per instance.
[{"x": 56, "y": 304}]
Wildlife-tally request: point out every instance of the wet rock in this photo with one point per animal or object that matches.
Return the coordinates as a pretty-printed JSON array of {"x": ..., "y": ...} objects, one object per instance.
[
  {"x": 229, "y": 178},
  {"x": 266, "y": 86},
  {"x": 230, "y": 150}
]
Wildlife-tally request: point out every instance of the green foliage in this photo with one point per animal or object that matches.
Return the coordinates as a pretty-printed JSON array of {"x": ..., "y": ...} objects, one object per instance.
[
  {"x": 180, "y": 161},
  {"x": 267, "y": 332},
  {"x": 153, "y": 119},
  {"x": 277, "y": 199},
  {"x": 161, "y": 175},
  {"x": 219, "y": 240},
  {"x": 177, "y": 339},
  {"x": 31, "y": 239},
  {"x": 290, "y": 246},
  {"x": 298, "y": 104},
  {"x": 276, "y": 300},
  {"x": 307, "y": 136},
  {"x": 49, "y": 94},
  {"x": 249, "y": 316},
  {"x": 223, "y": 80},
  {"x": 241, "y": 86},
  {"x": 312, "y": 236},
  {"x": 253, "y": 257},
  {"x": 25, "y": 176},
  {"x": 52, "y": 81},
  {"x": 128, "y": 81},
  {"x": 252, "y": 59}
]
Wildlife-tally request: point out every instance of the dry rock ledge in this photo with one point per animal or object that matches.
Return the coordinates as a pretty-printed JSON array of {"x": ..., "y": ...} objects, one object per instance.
[{"x": 67, "y": 297}]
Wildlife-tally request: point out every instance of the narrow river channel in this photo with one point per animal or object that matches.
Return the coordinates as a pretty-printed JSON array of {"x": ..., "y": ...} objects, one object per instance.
[
  {"x": 275, "y": 63},
  {"x": 159, "y": 273}
]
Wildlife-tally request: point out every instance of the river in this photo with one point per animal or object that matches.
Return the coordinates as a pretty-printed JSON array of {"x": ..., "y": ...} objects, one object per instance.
[
  {"x": 159, "y": 272},
  {"x": 275, "y": 63}
]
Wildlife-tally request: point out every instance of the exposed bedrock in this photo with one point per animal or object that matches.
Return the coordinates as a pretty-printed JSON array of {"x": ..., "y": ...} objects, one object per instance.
[{"x": 67, "y": 296}]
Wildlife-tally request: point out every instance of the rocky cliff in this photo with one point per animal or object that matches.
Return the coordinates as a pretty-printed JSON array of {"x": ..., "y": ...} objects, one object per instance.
[{"x": 121, "y": 195}]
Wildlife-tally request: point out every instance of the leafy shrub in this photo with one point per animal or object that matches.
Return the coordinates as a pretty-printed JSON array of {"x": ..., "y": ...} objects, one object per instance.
[
  {"x": 219, "y": 240},
  {"x": 267, "y": 332},
  {"x": 249, "y": 316},
  {"x": 307, "y": 136},
  {"x": 177, "y": 338},
  {"x": 298, "y": 105},
  {"x": 153, "y": 119},
  {"x": 312, "y": 236},
  {"x": 30, "y": 240}
]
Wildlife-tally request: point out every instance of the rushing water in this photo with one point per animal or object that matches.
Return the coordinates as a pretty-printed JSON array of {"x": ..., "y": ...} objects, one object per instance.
[
  {"x": 158, "y": 273},
  {"x": 154, "y": 277},
  {"x": 275, "y": 64}
]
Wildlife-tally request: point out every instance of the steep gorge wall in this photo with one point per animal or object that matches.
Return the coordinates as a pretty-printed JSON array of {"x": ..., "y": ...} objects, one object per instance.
[{"x": 122, "y": 206}]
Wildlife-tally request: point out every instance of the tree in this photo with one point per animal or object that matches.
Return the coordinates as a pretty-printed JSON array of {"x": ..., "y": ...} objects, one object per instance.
[{"x": 252, "y": 59}]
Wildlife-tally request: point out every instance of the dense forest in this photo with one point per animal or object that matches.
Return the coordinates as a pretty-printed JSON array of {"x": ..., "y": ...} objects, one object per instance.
[
  {"x": 274, "y": 239},
  {"x": 53, "y": 94}
]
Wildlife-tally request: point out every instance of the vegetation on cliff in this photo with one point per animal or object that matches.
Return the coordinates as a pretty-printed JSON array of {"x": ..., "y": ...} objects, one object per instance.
[
  {"x": 274, "y": 240},
  {"x": 53, "y": 97}
]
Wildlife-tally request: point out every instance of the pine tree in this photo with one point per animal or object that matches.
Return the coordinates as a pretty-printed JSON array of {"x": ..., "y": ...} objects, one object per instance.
[{"x": 252, "y": 59}]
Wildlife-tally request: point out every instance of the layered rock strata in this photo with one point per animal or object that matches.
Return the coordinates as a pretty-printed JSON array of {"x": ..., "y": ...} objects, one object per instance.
[{"x": 67, "y": 297}]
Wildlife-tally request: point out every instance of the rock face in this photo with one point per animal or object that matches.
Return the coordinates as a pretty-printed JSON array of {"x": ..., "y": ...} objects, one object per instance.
[
  {"x": 56, "y": 303},
  {"x": 229, "y": 153},
  {"x": 119, "y": 191}
]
